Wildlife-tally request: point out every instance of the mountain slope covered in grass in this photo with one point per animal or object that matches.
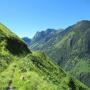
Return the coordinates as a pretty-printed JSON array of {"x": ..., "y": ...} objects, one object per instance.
[
  {"x": 69, "y": 48},
  {"x": 21, "y": 69}
]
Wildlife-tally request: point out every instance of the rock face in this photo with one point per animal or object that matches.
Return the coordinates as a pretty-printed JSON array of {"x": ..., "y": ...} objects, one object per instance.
[
  {"x": 70, "y": 48},
  {"x": 39, "y": 36}
]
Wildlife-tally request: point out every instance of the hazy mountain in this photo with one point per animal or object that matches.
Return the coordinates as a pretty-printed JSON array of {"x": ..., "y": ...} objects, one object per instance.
[
  {"x": 70, "y": 48},
  {"x": 27, "y": 40},
  {"x": 45, "y": 39},
  {"x": 21, "y": 69}
]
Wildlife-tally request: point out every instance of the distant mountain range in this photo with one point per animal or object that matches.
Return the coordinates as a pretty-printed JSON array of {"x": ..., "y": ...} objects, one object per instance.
[
  {"x": 22, "y": 69},
  {"x": 27, "y": 40},
  {"x": 69, "y": 48}
]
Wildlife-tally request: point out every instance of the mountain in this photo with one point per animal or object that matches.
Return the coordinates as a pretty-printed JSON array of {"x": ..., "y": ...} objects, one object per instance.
[
  {"x": 10, "y": 45},
  {"x": 22, "y": 69},
  {"x": 69, "y": 48},
  {"x": 27, "y": 40},
  {"x": 45, "y": 39},
  {"x": 43, "y": 35}
]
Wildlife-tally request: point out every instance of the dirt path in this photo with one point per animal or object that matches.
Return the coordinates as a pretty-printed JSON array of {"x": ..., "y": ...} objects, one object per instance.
[{"x": 10, "y": 87}]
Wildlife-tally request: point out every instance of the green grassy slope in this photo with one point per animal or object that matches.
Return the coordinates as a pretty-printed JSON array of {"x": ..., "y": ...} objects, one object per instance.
[
  {"x": 21, "y": 69},
  {"x": 37, "y": 72},
  {"x": 10, "y": 45},
  {"x": 70, "y": 49}
]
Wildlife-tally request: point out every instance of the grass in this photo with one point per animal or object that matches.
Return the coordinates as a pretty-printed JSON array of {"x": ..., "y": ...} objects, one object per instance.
[
  {"x": 22, "y": 69},
  {"x": 37, "y": 72}
]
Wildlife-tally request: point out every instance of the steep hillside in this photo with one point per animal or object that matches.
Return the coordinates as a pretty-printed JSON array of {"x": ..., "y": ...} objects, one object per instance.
[
  {"x": 10, "y": 45},
  {"x": 21, "y": 69},
  {"x": 70, "y": 48},
  {"x": 37, "y": 72}
]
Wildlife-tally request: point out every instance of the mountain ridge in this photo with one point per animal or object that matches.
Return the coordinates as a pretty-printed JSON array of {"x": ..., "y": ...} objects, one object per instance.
[
  {"x": 69, "y": 48},
  {"x": 22, "y": 69}
]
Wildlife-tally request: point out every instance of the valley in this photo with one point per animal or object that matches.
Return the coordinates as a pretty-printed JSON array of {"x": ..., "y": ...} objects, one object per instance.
[{"x": 24, "y": 69}]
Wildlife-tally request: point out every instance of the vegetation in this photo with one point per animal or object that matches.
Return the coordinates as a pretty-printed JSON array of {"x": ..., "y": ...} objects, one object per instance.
[
  {"x": 21, "y": 69},
  {"x": 69, "y": 48}
]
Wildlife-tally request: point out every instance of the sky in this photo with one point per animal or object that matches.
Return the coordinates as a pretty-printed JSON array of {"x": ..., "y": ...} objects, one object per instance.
[{"x": 26, "y": 17}]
